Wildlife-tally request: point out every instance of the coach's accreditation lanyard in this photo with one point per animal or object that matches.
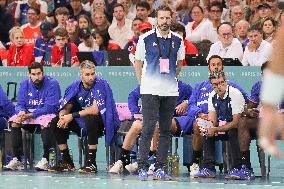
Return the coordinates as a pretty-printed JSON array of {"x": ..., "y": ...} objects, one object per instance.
[{"x": 164, "y": 62}]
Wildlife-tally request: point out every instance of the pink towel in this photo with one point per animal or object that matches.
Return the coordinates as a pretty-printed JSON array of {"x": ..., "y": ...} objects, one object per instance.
[
  {"x": 43, "y": 120},
  {"x": 123, "y": 111}
]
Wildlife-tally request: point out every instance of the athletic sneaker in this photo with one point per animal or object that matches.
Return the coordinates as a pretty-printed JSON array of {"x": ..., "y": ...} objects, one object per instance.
[
  {"x": 14, "y": 164},
  {"x": 62, "y": 167},
  {"x": 132, "y": 168},
  {"x": 142, "y": 174},
  {"x": 194, "y": 169},
  {"x": 244, "y": 174},
  {"x": 117, "y": 167},
  {"x": 160, "y": 174},
  {"x": 205, "y": 173},
  {"x": 232, "y": 174},
  {"x": 151, "y": 169},
  {"x": 89, "y": 168},
  {"x": 42, "y": 165}
]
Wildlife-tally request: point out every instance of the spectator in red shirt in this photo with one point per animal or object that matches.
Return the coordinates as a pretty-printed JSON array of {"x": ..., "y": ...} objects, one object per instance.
[
  {"x": 20, "y": 53},
  {"x": 64, "y": 52},
  {"x": 102, "y": 40},
  {"x": 142, "y": 28},
  {"x": 189, "y": 47}
]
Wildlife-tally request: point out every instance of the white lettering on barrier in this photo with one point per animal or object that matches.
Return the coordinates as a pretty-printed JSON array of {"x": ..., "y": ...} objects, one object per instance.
[
  {"x": 229, "y": 74},
  {"x": 251, "y": 74},
  {"x": 2, "y": 74}
]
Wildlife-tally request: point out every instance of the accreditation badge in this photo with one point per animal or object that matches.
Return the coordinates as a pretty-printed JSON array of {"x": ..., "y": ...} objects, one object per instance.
[{"x": 164, "y": 66}]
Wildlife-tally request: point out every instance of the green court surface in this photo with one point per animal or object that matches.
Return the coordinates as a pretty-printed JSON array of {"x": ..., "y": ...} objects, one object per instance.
[
  {"x": 42, "y": 180},
  {"x": 101, "y": 180}
]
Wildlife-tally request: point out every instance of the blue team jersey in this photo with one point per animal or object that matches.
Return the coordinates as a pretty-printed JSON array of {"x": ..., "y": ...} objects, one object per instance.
[
  {"x": 84, "y": 98},
  {"x": 7, "y": 109},
  {"x": 43, "y": 49},
  {"x": 184, "y": 89},
  {"x": 39, "y": 100},
  {"x": 200, "y": 94},
  {"x": 255, "y": 92}
]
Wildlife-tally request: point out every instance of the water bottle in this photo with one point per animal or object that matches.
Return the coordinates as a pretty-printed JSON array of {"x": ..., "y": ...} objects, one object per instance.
[
  {"x": 71, "y": 154},
  {"x": 175, "y": 160},
  {"x": 168, "y": 167},
  {"x": 52, "y": 157}
]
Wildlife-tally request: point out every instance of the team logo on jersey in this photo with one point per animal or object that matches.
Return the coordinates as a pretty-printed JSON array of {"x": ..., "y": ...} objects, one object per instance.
[
  {"x": 154, "y": 44},
  {"x": 203, "y": 88},
  {"x": 30, "y": 94},
  {"x": 173, "y": 44}
]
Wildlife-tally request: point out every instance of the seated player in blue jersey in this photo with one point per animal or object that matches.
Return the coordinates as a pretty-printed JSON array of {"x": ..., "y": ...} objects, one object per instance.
[
  {"x": 225, "y": 106},
  {"x": 247, "y": 128},
  {"x": 38, "y": 102},
  {"x": 87, "y": 108},
  {"x": 131, "y": 136},
  {"x": 198, "y": 108},
  {"x": 7, "y": 110}
]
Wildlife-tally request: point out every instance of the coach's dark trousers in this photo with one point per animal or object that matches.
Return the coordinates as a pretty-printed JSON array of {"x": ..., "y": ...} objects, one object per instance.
[{"x": 155, "y": 109}]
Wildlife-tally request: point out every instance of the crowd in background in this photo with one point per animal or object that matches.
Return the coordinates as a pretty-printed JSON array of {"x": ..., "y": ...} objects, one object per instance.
[{"x": 40, "y": 29}]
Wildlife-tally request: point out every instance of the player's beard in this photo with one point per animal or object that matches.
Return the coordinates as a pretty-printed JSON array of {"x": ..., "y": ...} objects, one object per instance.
[
  {"x": 164, "y": 27},
  {"x": 89, "y": 84},
  {"x": 37, "y": 82}
]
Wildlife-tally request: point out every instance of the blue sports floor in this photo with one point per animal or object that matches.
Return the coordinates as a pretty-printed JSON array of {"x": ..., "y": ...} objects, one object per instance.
[{"x": 101, "y": 180}]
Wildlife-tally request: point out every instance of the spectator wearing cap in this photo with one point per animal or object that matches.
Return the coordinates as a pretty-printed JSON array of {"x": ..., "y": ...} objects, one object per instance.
[
  {"x": 20, "y": 53},
  {"x": 44, "y": 44},
  {"x": 120, "y": 29},
  {"x": 189, "y": 47},
  {"x": 88, "y": 42},
  {"x": 143, "y": 28},
  {"x": 22, "y": 9},
  {"x": 264, "y": 11},
  {"x": 135, "y": 29},
  {"x": 258, "y": 51},
  {"x": 31, "y": 29},
  {"x": 63, "y": 52},
  {"x": 77, "y": 9},
  {"x": 61, "y": 16},
  {"x": 72, "y": 29}
]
